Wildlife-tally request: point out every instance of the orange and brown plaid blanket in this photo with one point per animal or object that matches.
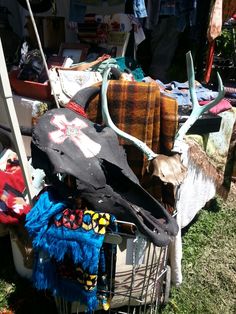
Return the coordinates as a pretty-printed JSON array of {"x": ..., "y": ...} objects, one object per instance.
[{"x": 139, "y": 109}]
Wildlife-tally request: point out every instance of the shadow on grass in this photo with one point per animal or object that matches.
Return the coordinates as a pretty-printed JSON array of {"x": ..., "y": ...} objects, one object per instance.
[
  {"x": 185, "y": 230},
  {"x": 213, "y": 206},
  {"x": 23, "y": 298}
]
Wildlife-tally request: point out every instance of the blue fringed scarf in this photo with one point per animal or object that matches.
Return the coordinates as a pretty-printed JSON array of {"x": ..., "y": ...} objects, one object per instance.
[{"x": 67, "y": 243}]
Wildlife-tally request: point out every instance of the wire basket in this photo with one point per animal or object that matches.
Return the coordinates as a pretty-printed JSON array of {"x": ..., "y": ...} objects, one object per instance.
[{"x": 140, "y": 272}]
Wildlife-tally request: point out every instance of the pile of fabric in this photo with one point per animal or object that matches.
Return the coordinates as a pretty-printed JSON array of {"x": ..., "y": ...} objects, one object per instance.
[{"x": 180, "y": 92}]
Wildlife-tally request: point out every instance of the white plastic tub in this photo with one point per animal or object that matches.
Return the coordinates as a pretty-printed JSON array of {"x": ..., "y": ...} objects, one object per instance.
[{"x": 22, "y": 264}]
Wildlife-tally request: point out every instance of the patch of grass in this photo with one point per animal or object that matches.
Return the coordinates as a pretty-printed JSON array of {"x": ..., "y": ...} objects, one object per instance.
[
  {"x": 16, "y": 293},
  {"x": 209, "y": 263},
  {"x": 5, "y": 290}
]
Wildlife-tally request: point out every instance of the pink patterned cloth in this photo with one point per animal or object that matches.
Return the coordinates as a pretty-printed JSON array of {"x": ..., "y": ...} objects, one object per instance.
[{"x": 222, "y": 106}]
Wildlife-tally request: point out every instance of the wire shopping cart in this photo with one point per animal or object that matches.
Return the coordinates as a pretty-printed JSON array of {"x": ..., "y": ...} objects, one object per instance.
[{"x": 142, "y": 277}]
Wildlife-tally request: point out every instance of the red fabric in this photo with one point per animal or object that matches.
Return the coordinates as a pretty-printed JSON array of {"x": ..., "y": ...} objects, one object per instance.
[
  {"x": 76, "y": 108},
  {"x": 209, "y": 62},
  {"x": 13, "y": 206},
  {"x": 222, "y": 106}
]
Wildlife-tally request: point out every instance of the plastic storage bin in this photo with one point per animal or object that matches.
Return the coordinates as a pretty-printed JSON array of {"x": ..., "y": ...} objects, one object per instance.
[{"x": 22, "y": 255}]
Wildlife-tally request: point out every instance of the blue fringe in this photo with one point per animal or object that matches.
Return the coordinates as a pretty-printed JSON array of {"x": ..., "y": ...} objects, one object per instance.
[
  {"x": 83, "y": 246},
  {"x": 52, "y": 241},
  {"x": 84, "y": 249},
  {"x": 73, "y": 291},
  {"x": 45, "y": 277},
  {"x": 44, "y": 272},
  {"x": 38, "y": 217}
]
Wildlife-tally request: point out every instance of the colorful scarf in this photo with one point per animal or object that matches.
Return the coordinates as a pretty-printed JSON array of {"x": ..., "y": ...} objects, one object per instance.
[{"x": 67, "y": 244}]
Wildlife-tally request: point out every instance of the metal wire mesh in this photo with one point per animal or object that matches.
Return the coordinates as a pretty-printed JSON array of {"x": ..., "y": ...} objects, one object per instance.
[{"x": 136, "y": 286}]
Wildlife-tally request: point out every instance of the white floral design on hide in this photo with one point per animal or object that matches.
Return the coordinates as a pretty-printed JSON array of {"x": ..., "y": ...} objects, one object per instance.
[{"x": 72, "y": 130}]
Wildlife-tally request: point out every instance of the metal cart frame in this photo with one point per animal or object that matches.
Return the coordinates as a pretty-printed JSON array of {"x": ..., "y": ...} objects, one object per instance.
[{"x": 142, "y": 277}]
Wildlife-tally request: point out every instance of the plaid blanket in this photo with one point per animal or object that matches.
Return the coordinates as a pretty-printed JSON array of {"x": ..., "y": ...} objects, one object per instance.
[{"x": 139, "y": 109}]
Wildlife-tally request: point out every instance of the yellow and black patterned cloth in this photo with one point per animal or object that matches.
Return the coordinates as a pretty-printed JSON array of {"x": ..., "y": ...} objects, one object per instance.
[{"x": 85, "y": 219}]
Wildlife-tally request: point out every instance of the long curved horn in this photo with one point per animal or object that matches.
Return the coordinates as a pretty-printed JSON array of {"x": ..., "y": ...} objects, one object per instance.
[
  {"x": 108, "y": 121},
  {"x": 197, "y": 109}
]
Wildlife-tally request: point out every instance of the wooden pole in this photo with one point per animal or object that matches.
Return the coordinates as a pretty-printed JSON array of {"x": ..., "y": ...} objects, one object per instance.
[{"x": 41, "y": 51}]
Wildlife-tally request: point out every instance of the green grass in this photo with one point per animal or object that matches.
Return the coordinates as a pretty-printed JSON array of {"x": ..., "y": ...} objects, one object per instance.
[
  {"x": 16, "y": 293},
  {"x": 209, "y": 263},
  {"x": 209, "y": 270}
]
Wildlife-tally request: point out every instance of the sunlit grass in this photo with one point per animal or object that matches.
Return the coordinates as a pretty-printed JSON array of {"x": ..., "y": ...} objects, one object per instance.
[{"x": 209, "y": 263}]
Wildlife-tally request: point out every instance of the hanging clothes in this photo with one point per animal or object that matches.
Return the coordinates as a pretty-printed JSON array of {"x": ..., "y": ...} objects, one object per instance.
[
  {"x": 221, "y": 11},
  {"x": 215, "y": 24},
  {"x": 184, "y": 10},
  {"x": 139, "y": 8},
  {"x": 167, "y": 19}
]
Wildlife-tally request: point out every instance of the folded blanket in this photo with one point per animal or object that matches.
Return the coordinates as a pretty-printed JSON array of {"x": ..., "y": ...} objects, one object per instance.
[{"x": 139, "y": 109}]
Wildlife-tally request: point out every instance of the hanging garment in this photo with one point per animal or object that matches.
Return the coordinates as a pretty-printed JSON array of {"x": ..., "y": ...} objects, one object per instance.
[
  {"x": 221, "y": 11},
  {"x": 184, "y": 10},
  {"x": 139, "y": 8},
  {"x": 215, "y": 24},
  {"x": 209, "y": 61},
  {"x": 66, "y": 142},
  {"x": 166, "y": 20},
  {"x": 67, "y": 243}
]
